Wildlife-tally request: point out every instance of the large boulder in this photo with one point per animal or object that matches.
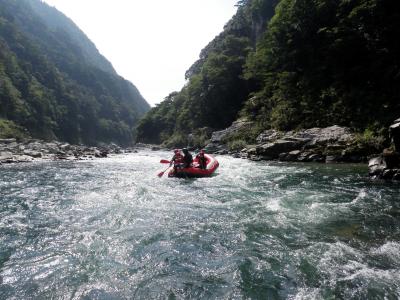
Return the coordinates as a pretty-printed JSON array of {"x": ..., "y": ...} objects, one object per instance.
[
  {"x": 35, "y": 145},
  {"x": 325, "y": 136},
  {"x": 291, "y": 156},
  {"x": 331, "y": 140},
  {"x": 391, "y": 158},
  {"x": 32, "y": 153},
  {"x": 219, "y": 138},
  {"x": 394, "y": 131},
  {"x": 215, "y": 147},
  {"x": 236, "y": 127},
  {"x": 52, "y": 148},
  {"x": 280, "y": 146},
  {"x": 6, "y": 157},
  {"x": 269, "y": 136},
  {"x": 317, "y": 135},
  {"x": 385, "y": 166},
  {"x": 330, "y": 144},
  {"x": 376, "y": 166}
]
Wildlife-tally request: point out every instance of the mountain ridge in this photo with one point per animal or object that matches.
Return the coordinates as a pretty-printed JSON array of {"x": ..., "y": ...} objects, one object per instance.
[
  {"x": 289, "y": 65},
  {"x": 50, "y": 88}
]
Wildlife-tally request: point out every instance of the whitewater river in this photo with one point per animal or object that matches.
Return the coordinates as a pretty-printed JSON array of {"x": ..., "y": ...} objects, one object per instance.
[{"x": 111, "y": 229}]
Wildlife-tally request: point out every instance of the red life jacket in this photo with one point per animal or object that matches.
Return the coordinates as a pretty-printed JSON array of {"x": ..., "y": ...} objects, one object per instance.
[{"x": 178, "y": 158}]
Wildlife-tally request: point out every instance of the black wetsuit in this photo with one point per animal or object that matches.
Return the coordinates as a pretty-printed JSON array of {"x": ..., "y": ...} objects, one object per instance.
[
  {"x": 202, "y": 161},
  {"x": 187, "y": 160}
]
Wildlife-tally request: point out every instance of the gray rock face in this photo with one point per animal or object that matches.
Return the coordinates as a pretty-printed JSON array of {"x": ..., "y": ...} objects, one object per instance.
[
  {"x": 6, "y": 157},
  {"x": 280, "y": 146},
  {"x": 218, "y": 138},
  {"x": 323, "y": 136},
  {"x": 330, "y": 144},
  {"x": 394, "y": 131},
  {"x": 291, "y": 156},
  {"x": 378, "y": 168},
  {"x": 269, "y": 136},
  {"x": 387, "y": 165},
  {"x": 35, "y": 154},
  {"x": 52, "y": 148}
]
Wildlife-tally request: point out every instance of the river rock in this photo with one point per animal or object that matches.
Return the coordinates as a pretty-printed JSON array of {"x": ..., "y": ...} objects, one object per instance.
[
  {"x": 322, "y": 136},
  {"x": 214, "y": 147},
  {"x": 33, "y": 149},
  {"x": 34, "y": 146},
  {"x": 35, "y": 154},
  {"x": 12, "y": 145},
  {"x": 280, "y": 146},
  {"x": 394, "y": 131},
  {"x": 269, "y": 136},
  {"x": 387, "y": 165},
  {"x": 52, "y": 148},
  {"x": 388, "y": 173},
  {"x": 330, "y": 144},
  {"x": 98, "y": 153},
  {"x": 236, "y": 155},
  {"x": 7, "y": 141},
  {"x": 397, "y": 175},
  {"x": 308, "y": 144},
  {"x": 237, "y": 126},
  {"x": 291, "y": 156},
  {"x": 23, "y": 158},
  {"x": 218, "y": 141},
  {"x": 65, "y": 147},
  {"x": 315, "y": 157},
  {"x": 376, "y": 166},
  {"x": 333, "y": 159},
  {"x": 6, "y": 157}
]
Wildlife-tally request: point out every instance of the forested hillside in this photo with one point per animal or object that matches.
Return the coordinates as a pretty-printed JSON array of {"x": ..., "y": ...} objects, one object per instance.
[
  {"x": 290, "y": 64},
  {"x": 54, "y": 84}
]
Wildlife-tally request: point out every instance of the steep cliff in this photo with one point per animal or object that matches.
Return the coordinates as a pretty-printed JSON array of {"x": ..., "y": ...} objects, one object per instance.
[
  {"x": 216, "y": 89},
  {"x": 287, "y": 65}
]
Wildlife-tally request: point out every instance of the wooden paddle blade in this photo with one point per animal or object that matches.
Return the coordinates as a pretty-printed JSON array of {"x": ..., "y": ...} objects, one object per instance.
[{"x": 164, "y": 161}]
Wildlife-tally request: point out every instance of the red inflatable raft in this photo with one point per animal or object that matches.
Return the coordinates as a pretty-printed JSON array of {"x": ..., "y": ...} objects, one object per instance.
[{"x": 195, "y": 171}]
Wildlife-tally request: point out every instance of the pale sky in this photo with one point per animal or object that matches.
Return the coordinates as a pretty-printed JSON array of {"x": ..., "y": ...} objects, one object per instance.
[{"x": 150, "y": 42}]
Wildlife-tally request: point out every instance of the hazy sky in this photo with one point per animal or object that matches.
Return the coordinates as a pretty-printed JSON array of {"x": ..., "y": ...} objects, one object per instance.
[{"x": 150, "y": 42}]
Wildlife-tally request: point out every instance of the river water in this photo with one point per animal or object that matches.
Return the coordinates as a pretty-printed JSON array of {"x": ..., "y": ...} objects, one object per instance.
[{"x": 111, "y": 229}]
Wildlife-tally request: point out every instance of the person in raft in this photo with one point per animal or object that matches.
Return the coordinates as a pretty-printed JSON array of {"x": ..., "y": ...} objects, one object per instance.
[
  {"x": 202, "y": 160},
  {"x": 187, "y": 158},
  {"x": 177, "y": 159}
]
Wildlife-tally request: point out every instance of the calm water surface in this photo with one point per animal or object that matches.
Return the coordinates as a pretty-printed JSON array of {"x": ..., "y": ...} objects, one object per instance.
[{"x": 111, "y": 229}]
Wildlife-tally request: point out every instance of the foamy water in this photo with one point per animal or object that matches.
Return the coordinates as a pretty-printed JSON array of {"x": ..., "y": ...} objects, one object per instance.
[{"x": 111, "y": 229}]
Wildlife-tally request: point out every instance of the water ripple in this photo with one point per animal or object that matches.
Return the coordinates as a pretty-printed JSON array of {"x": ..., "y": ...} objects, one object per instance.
[{"x": 111, "y": 229}]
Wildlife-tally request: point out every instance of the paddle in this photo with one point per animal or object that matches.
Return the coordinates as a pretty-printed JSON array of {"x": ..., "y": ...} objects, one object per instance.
[
  {"x": 164, "y": 161},
  {"x": 162, "y": 173}
]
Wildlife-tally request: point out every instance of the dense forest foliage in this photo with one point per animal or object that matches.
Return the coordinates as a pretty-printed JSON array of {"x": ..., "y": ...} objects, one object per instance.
[
  {"x": 54, "y": 84},
  {"x": 290, "y": 64}
]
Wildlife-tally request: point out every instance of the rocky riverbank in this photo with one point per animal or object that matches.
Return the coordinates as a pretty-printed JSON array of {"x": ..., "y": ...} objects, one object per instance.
[
  {"x": 387, "y": 165},
  {"x": 13, "y": 151},
  {"x": 327, "y": 145}
]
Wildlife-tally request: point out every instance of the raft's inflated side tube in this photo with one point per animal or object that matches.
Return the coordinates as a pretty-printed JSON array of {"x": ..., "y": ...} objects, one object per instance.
[{"x": 211, "y": 165}]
